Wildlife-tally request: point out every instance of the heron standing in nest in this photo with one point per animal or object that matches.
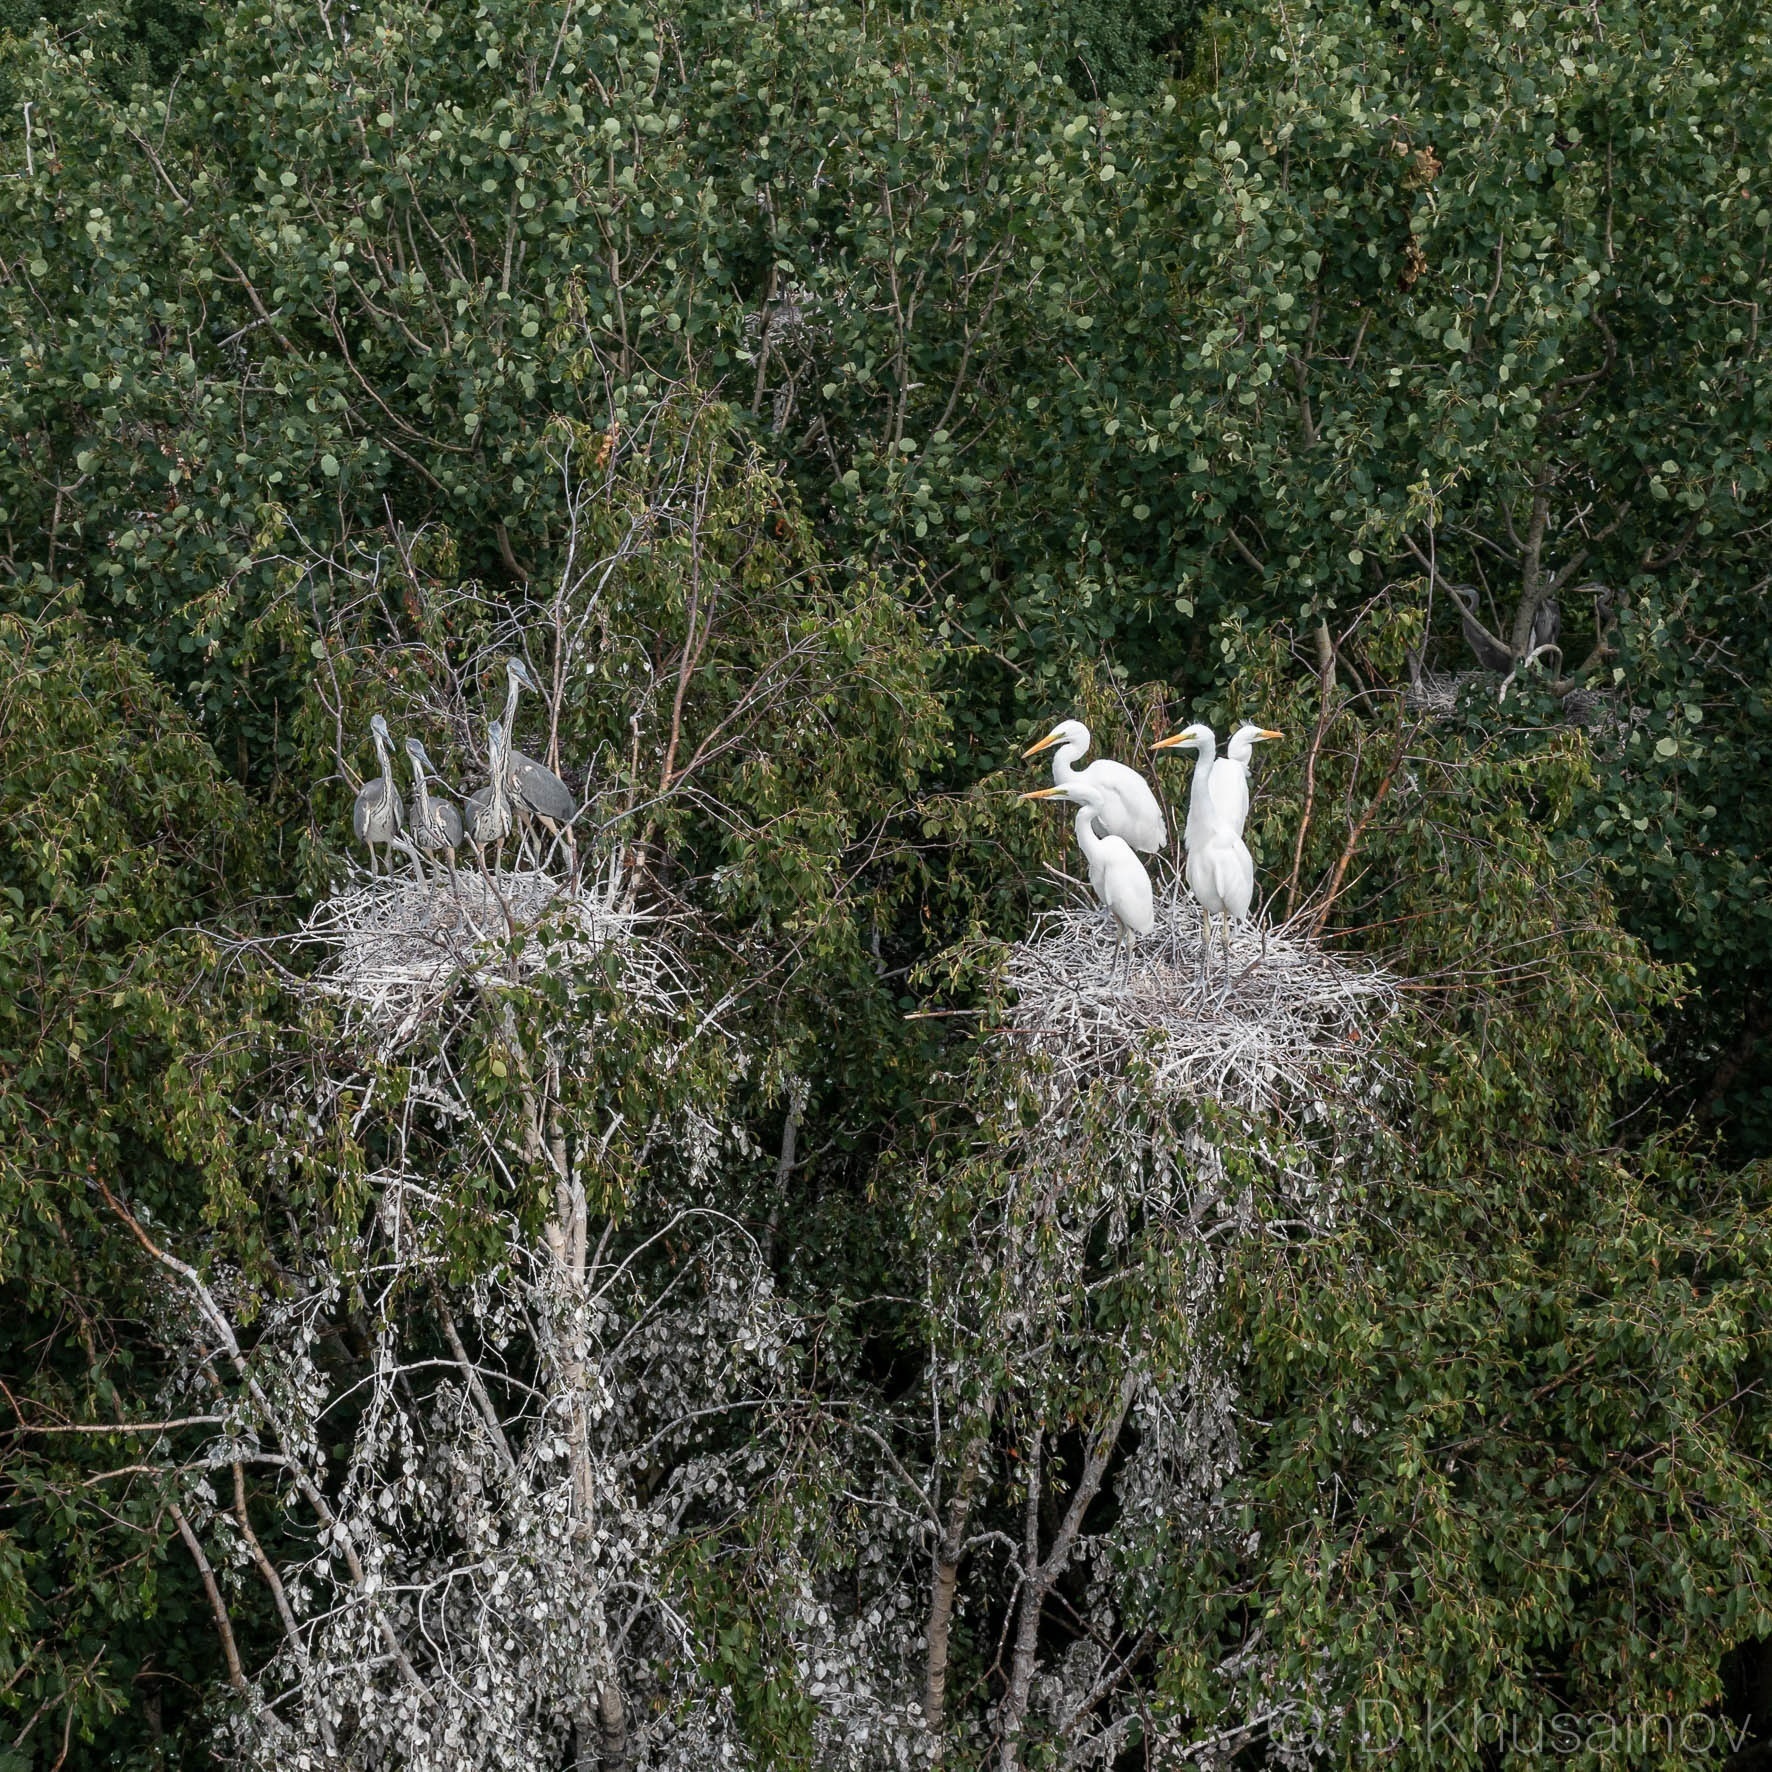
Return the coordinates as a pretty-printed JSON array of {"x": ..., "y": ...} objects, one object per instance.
[
  {"x": 1115, "y": 872},
  {"x": 436, "y": 825},
  {"x": 489, "y": 816},
  {"x": 537, "y": 793},
  {"x": 1220, "y": 869},
  {"x": 1123, "y": 801},
  {"x": 378, "y": 818}
]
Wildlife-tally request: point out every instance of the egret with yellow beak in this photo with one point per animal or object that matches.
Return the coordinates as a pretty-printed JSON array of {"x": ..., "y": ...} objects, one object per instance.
[{"x": 1121, "y": 798}]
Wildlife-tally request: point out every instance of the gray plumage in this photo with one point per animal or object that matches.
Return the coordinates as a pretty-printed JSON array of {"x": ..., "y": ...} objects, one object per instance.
[
  {"x": 1547, "y": 625},
  {"x": 1492, "y": 655},
  {"x": 535, "y": 790},
  {"x": 436, "y": 825},
  {"x": 488, "y": 809},
  {"x": 378, "y": 817}
]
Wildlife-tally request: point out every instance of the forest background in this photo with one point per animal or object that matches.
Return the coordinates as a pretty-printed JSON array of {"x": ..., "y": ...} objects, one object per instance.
[{"x": 1139, "y": 360}]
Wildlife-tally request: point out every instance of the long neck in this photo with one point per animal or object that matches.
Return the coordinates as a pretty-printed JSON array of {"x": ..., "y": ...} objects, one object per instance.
[
  {"x": 510, "y": 719},
  {"x": 501, "y": 752},
  {"x": 387, "y": 765},
  {"x": 1205, "y": 751},
  {"x": 420, "y": 791},
  {"x": 1062, "y": 759},
  {"x": 1088, "y": 838}
]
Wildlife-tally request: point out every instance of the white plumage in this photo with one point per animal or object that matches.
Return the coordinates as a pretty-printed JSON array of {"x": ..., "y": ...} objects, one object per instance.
[
  {"x": 1118, "y": 877},
  {"x": 1122, "y": 799},
  {"x": 1227, "y": 782},
  {"x": 1115, "y": 872},
  {"x": 1220, "y": 869}
]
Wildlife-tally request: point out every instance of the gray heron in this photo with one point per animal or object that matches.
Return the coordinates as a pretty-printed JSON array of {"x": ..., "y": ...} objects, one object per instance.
[
  {"x": 488, "y": 809},
  {"x": 377, "y": 818},
  {"x": 436, "y": 825},
  {"x": 1122, "y": 798},
  {"x": 536, "y": 791}
]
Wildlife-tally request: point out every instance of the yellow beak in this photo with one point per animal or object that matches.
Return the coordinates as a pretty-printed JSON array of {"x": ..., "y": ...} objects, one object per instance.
[
  {"x": 1051, "y": 738},
  {"x": 1044, "y": 794},
  {"x": 1266, "y": 733},
  {"x": 1175, "y": 738}
]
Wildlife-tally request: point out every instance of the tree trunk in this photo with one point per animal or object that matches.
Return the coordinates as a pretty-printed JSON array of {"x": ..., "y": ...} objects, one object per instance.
[
  {"x": 1036, "y": 1578},
  {"x": 947, "y": 1575},
  {"x": 1039, "y": 1575}
]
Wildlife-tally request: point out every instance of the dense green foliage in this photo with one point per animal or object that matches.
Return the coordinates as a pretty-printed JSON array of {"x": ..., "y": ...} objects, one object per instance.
[{"x": 1137, "y": 346}]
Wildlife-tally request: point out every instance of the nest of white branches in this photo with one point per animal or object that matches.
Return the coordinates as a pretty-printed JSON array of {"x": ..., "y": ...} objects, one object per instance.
[
  {"x": 1285, "y": 1023},
  {"x": 393, "y": 948}
]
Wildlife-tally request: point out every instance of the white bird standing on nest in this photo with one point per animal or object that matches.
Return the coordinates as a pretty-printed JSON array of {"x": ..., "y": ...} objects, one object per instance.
[
  {"x": 1199, "y": 801},
  {"x": 436, "y": 825},
  {"x": 1121, "y": 797},
  {"x": 1117, "y": 875},
  {"x": 1220, "y": 869},
  {"x": 1227, "y": 782},
  {"x": 536, "y": 791},
  {"x": 377, "y": 818},
  {"x": 489, "y": 816}
]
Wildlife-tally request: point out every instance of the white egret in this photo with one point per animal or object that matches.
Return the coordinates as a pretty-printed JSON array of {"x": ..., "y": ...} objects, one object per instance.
[
  {"x": 377, "y": 817},
  {"x": 1121, "y": 797},
  {"x": 1115, "y": 872},
  {"x": 1200, "y": 738},
  {"x": 1221, "y": 876},
  {"x": 1227, "y": 788},
  {"x": 1220, "y": 869},
  {"x": 436, "y": 825},
  {"x": 489, "y": 815}
]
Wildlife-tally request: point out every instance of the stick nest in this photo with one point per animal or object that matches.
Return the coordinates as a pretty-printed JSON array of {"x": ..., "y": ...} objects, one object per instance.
[
  {"x": 392, "y": 949},
  {"x": 1293, "y": 1025}
]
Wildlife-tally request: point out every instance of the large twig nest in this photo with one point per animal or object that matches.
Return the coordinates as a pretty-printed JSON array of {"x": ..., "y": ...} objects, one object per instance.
[
  {"x": 1288, "y": 1025},
  {"x": 393, "y": 948}
]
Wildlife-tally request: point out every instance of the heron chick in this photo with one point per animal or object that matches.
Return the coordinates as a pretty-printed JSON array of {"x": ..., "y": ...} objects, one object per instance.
[
  {"x": 378, "y": 818},
  {"x": 436, "y": 825}
]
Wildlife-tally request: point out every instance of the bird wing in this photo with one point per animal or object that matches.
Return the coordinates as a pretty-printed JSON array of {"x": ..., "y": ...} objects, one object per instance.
[
  {"x": 481, "y": 824},
  {"x": 1221, "y": 875},
  {"x": 1129, "y": 808},
  {"x": 1128, "y": 892},
  {"x": 376, "y": 805},
  {"x": 540, "y": 789}
]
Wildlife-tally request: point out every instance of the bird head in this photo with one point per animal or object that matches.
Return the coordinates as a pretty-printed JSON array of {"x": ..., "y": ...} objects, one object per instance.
[
  {"x": 416, "y": 751},
  {"x": 1068, "y": 732},
  {"x": 379, "y": 729},
  {"x": 1195, "y": 738},
  {"x": 1248, "y": 736},
  {"x": 518, "y": 672}
]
